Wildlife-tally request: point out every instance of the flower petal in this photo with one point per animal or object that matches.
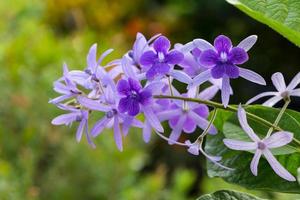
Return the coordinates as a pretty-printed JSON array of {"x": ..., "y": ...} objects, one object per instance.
[
  {"x": 222, "y": 43},
  {"x": 252, "y": 76},
  {"x": 208, "y": 58},
  {"x": 80, "y": 130},
  {"x": 151, "y": 73},
  {"x": 88, "y": 137},
  {"x": 244, "y": 124},
  {"x": 277, "y": 167},
  {"x": 103, "y": 55},
  {"x": 278, "y": 81},
  {"x": 152, "y": 118},
  {"x": 99, "y": 126},
  {"x": 189, "y": 125},
  {"x": 180, "y": 76},
  {"x": 239, "y": 145},
  {"x": 134, "y": 84},
  {"x": 161, "y": 44},
  {"x": 176, "y": 131},
  {"x": 147, "y": 132},
  {"x": 202, "y": 44},
  {"x": 201, "y": 78},
  {"x": 231, "y": 71},
  {"x": 202, "y": 123},
  {"x": 168, "y": 114},
  {"x": 174, "y": 57},
  {"x": 65, "y": 118},
  {"x": 225, "y": 92},
  {"x": 123, "y": 87},
  {"x": 218, "y": 71},
  {"x": 255, "y": 161},
  {"x": 209, "y": 93},
  {"x": 61, "y": 98},
  {"x": 148, "y": 58},
  {"x": 295, "y": 92},
  {"x": 272, "y": 101},
  {"x": 278, "y": 139},
  {"x": 127, "y": 68},
  {"x": 238, "y": 55},
  {"x": 93, "y": 104},
  {"x": 264, "y": 94},
  {"x": 117, "y": 133},
  {"x": 162, "y": 68},
  {"x": 248, "y": 42},
  {"x": 91, "y": 58},
  {"x": 294, "y": 82}
]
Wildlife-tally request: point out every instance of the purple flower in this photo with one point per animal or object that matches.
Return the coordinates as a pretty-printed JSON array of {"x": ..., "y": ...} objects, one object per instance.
[
  {"x": 261, "y": 146},
  {"x": 158, "y": 62},
  {"x": 186, "y": 116},
  {"x": 75, "y": 115},
  {"x": 221, "y": 61},
  {"x": 68, "y": 90},
  {"x": 284, "y": 92}
]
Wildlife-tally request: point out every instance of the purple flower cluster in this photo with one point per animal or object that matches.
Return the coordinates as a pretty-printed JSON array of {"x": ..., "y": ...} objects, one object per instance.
[{"x": 126, "y": 88}]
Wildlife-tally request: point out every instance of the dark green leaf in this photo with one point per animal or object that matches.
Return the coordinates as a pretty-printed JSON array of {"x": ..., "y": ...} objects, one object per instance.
[{"x": 228, "y": 195}]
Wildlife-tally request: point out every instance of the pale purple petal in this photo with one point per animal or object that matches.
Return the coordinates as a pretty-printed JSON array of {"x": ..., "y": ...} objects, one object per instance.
[
  {"x": 103, "y": 55},
  {"x": 209, "y": 93},
  {"x": 295, "y": 81},
  {"x": 148, "y": 58},
  {"x": 127, "y": 68},
  {"x": 79, "y": 77},
  {"x": 180, "y": 76},
  {"x": 238, "y": 55},
  {"x": 201, "y": 78},
  {"x": 255, "y": 161},
  {"x": 278, "y": 139},
  {"x": 117, "y": 134},
  {"x": 91, "y": 58},
  {"x": 80, "y": 130},
  {"x": 176, "y": 132},
  {"x": 174, "y": 57},
  {"x": 88, "y": 137},
  {"x": 99, "y": 126},
  {"x": 61, "y": 88},
  {"x": 239, "y": 145},
  {"x": 139, "y": 46},
  {"x": 151, "y": 73},
  {"x": 93, "y": 104},
  {"x": 161, "y": 44},
  {"x": 202, "y": 44},
  {"x": 168, "y": 114},
  {"x": 222, "y": 43},
  {"x": 277, "y": 167},
  {"x": 272, "y": 101},
  {"x": 192, "y": 148},
  {"x": 61, "y": 98},
  {"x": 242, "y": 117},
  {"x": 278, "y": 81},
  {"x": 252, "y": 76},
  {"x": 264, "y": 94},
  {"x": 65, "y": 118},
  {"x": 186, "y": 48},
  {"x": 214, "y": 159},
  {"x": 127, "y": 121},
  {"x": 155, "y": 87},
  {"x": 225, "y": 92},
  {"x": 208, "y": 58},
  {"x": 147, "y": 131},
  {"x": 202, "y": 123},
  {"x": 162, "y": 68},
  {"x": 295, "y": 92},
  {"x": 152, "y": 118},
  {"x": 189, "y": 125},
  {"x": 248, "y": 42}
]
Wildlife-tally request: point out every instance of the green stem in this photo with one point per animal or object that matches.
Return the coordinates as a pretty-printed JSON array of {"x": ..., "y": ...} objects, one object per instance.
[
  {"x": 170, "y": 86},
  {"x": 287, "y": 102},
  {"x": 211, "y": 121}
]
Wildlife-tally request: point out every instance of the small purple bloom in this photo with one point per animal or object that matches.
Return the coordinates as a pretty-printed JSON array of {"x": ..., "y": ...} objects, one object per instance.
[
  {"x": 133, "y": 96},
  {"x": 160, "y": 60},
  {"x": 262, "y": 146},
  {"x": 284, "y": 92},
  {"x": 221, "y": 61}
]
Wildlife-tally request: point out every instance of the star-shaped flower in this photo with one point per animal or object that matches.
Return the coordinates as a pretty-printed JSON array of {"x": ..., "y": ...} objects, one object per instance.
[
  {"x": 283, "y": 91},
  {"x": 261, "y": 147}
]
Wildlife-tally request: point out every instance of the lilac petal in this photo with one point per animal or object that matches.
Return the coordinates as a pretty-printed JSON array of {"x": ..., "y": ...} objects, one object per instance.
[
  {"x": 134, "y": 85},
  {"x": 88, "y": 137},
  {"x": 278, "y": 139},
  {"x": 61, "y": 98},
  {"x": 174, "y": 57},
  {"x": 80, "y": 130},
  {"x": 248, "y": 42},
  {"x": 115, "y": 71},
  {"x": 277, "y": 167},
  {"x": 202, "y": 123},
  {"x": 127, "y": 121},
  {"x": 185, "y": 48},
  {"x": 278, "y": 81},
  {"x": 214, "y": 159},
  {"x": 61, "y": 88},
  {"x": 218, "y": 71},
  {"x": 232, "y": 71},
  {"x": 79, "y": 77},
  {"x": 244, "y": 124},
  {"x": 176, "y": 132},
  {"x": 222, "y": 43},
  {"x": 127, "y": 68},
  {"x": 252, "y": 76},
  {"x": 200, "y": 109},
  {"x": 208, "y": 58},
  {"x": 295, "y": 92},
  {"x": 161, "y": 44},
  {"x": 151, "y": 73},
  {"x": 225, "y": 92},
  {"x": 174, "y": 120},
  {"x": 91, "y": 58},
  {"x": 99, "y": 126},
  {"x": 255, "y": 161},
  {"x": 123, "y": 87},
  {"x": 139, "y": 46},
  {"x": 117, "y": 133},
  {"x": 162, "y": 68},
  {"x": 193, "y": 148},
  {"x": 238, "y": 55},
  {"x": 189, "y": 125},
  {"x": 239, "y": 145},
  {"x": 180, "y": 76},
  {"x": 264, "y": 94},
  {"x": 209, "y": 93},
  {"x": 137, "y": 123},
  {"x": 93, "y": 104},
  {"x": 152, "y": 118},
  {"x": 201, "y": 78},
  {"x": 148, "y": 58},
  {"x": 65, "y": 118},
  {"x": 168, "y": 114},
  {"x": 202, "y": 44},
  {"x": 103, "y": 55},
  {"x": 147, "y": 132},
  {"x": 294, "y": 82},
  {"x": 272, "y": 101},
  {"x": 154, "y": 87}
]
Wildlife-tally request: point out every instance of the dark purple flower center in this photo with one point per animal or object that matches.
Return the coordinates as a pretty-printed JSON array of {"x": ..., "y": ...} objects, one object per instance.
[
  {"x": 78, "y": 118},
  {"x": 111, "y": 113},
  {"x": 261, "y": 146},
  {"x": 285, "y": 94}
]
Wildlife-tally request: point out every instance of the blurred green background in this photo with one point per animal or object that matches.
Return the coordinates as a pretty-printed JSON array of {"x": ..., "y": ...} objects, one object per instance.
[{"x": 40, "y": 161}]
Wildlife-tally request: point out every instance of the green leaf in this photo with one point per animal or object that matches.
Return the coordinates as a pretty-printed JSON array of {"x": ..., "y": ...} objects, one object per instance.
[
  {"x": 227, "y": 125},
  {"x": 228, "y": 195},
  {"x": 281, "y": 15}
]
